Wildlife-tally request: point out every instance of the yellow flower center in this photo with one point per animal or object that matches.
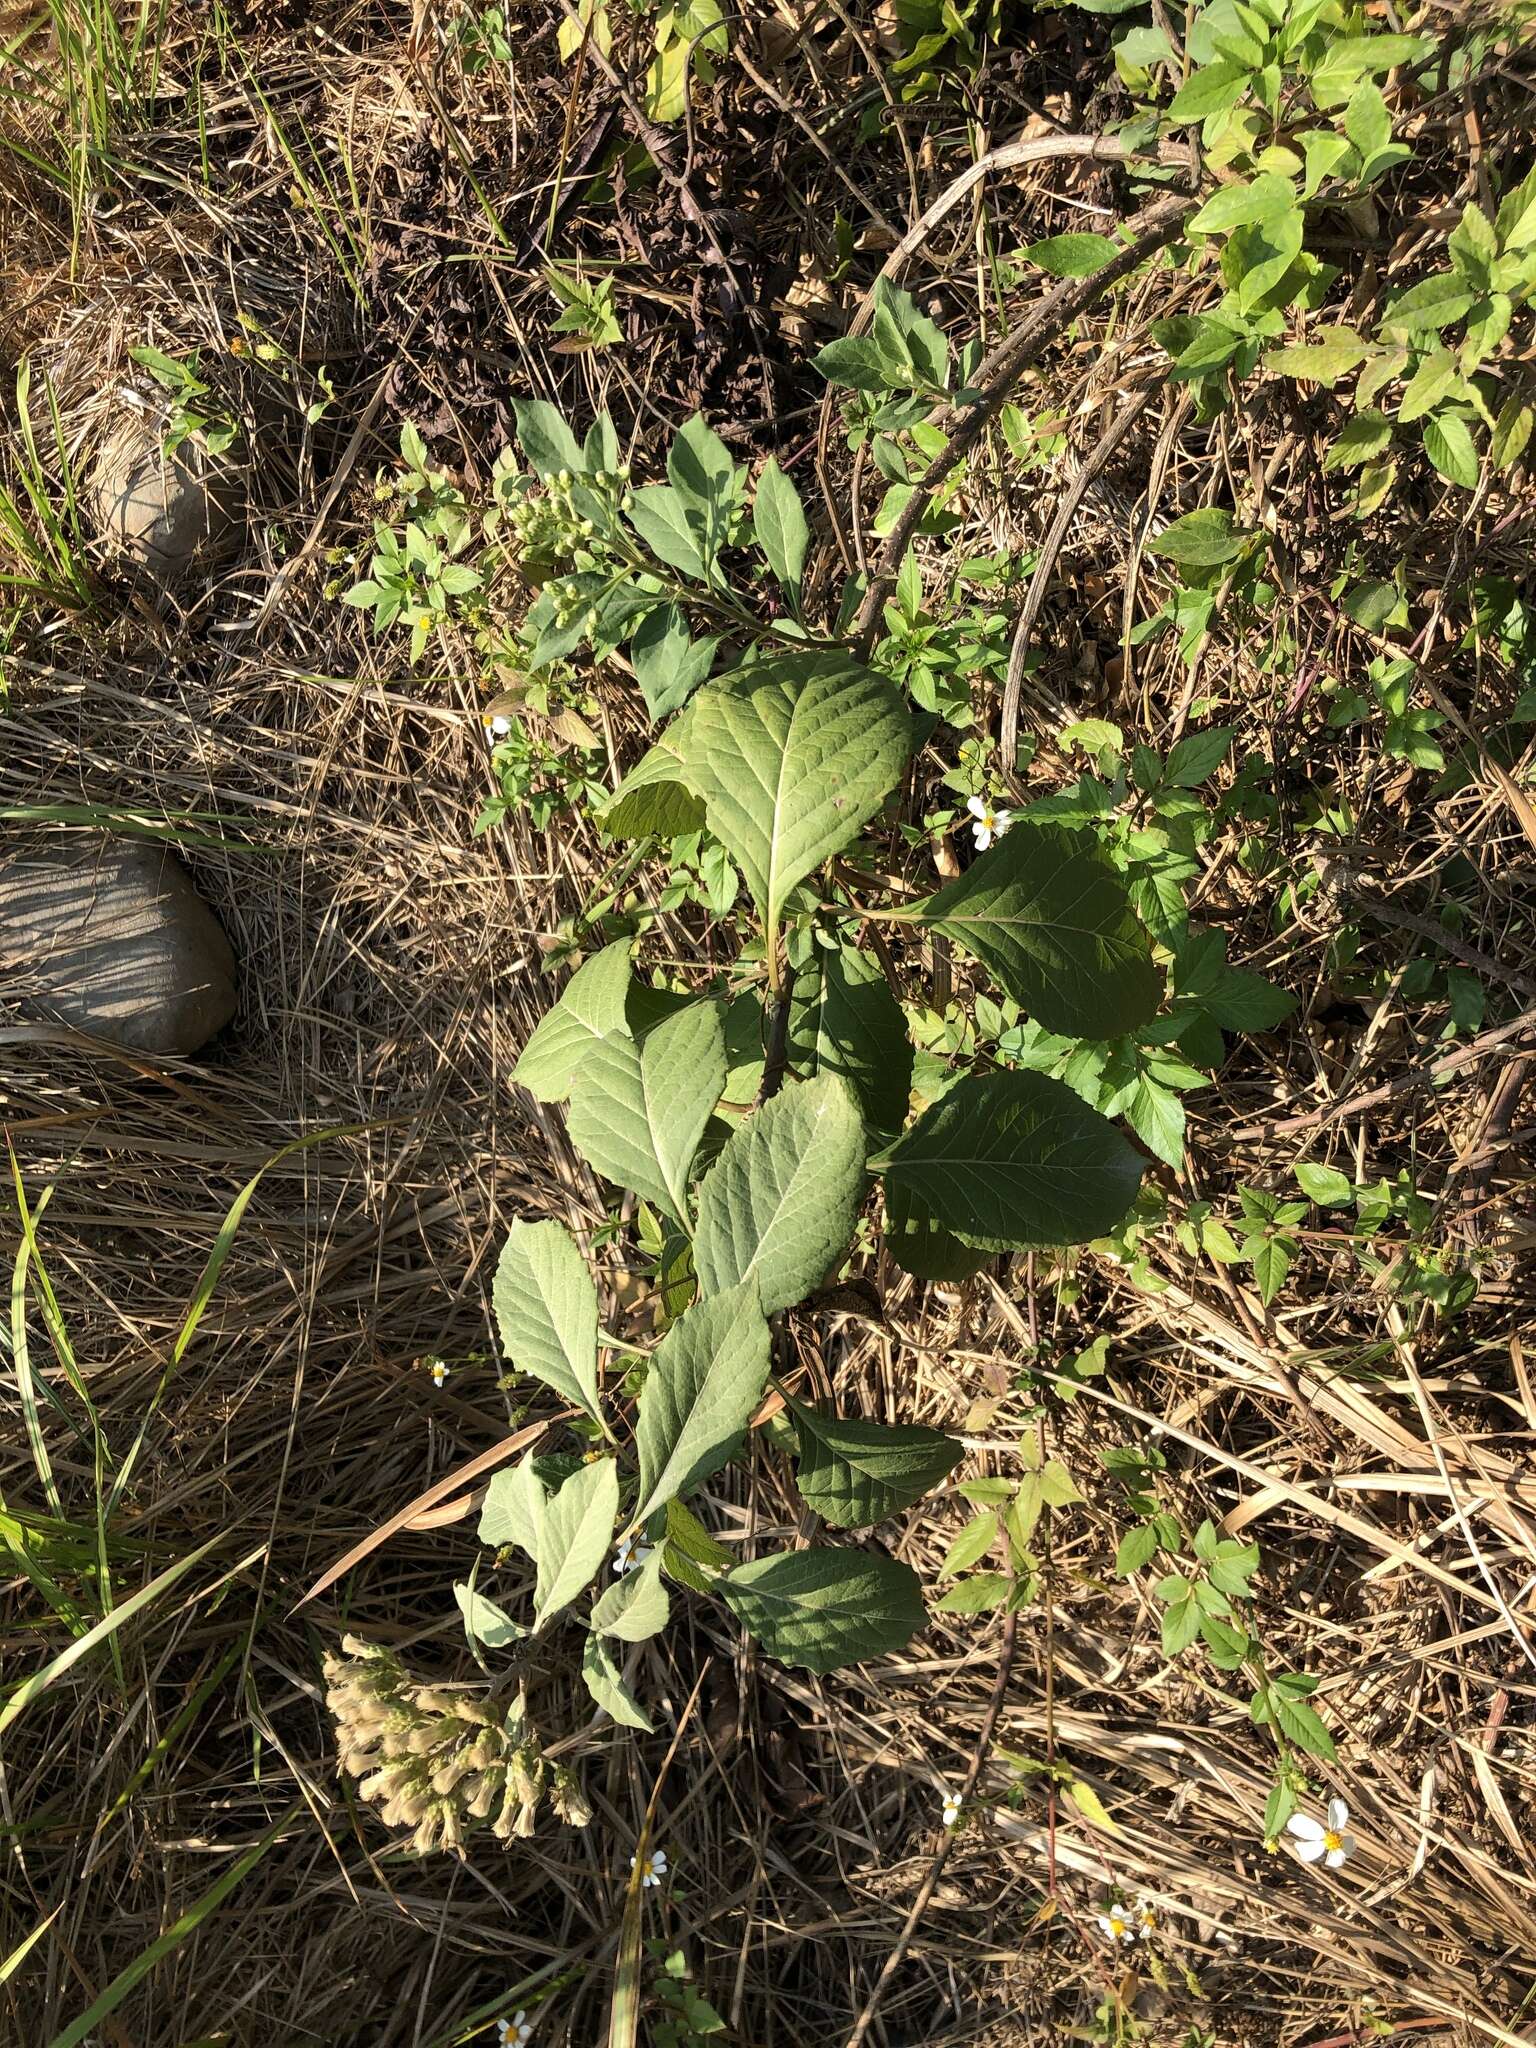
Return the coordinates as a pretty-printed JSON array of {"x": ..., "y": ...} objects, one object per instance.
[
  {"x": 1116, "y": 1925},
  {"x": 1331, "y": 1840}
]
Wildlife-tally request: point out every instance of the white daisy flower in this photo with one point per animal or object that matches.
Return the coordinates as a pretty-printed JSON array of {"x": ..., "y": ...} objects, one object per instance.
[
  {"x": 951, "y": 1814},
  {"x": 630, "y": 1555},
  {"x": 653, "y": 1869},
  {"x": 439, "y": 1372},
  {"x": 991, "y": 822},
  {"x": 513, "y": 2033},
  {"x": 1118, "y": 1927},
  {"x": 1323, "y": 1842},
  {"x": 497, "y": 727},
  {"x": 1144, "y": 1918}
]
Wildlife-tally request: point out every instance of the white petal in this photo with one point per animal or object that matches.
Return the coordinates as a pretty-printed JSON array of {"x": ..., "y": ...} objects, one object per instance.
[
  {"x": 977, "y": 806},
  {"x": 1106, "y": 1926},
  {"x": 1003, "y": 820},
  {"x": 1305, "y": 1827},
  {"x": 1311, "y": 1852},
  {"x": 1338, "y": 1816},
  {"x": 983, "y": 838},
  {"x": 1336, "y": 1858}
]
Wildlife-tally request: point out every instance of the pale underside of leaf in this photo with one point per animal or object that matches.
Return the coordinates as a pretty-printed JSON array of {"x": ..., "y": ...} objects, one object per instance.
[
  {"x": 546, "y": 1311},
  {"x": 702, "y": 1385},
  {"x": 792, "y": 759},
  {"x": 779, "y": 1205}
]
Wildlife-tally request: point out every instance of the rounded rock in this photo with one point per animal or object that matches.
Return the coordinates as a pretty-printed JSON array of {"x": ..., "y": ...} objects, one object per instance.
[{"x": 165, "y": 515}]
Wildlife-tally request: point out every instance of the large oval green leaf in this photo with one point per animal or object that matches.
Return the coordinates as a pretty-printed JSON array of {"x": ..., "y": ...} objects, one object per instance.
[
  {"x": 638, "y": 1111},
  {"x": 1047, "y": 912},
  {"x": 703, "y": 1383},
  {"x": 823, "y": 1608},
  {"x": 779, "y": 1204},
  {"x": 792, "y": 757},
  {"x": 1005, "y": 1160},
  {"x": 546, "y": 1311}
]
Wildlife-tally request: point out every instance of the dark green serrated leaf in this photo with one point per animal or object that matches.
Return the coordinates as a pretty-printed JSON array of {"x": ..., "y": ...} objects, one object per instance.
[
  {"x": 792, "y": 758},
  {"x": 546, "y": 1311},
  {"x": 1011, "y": 1159},
  {"x": 844, "y": 1020},
  {"x": 591, "y": 1005},
  {"x": 855, "y": 1473},
  {"x": 638, "y": 1111},
  {"x": 1048, "y": 914},
  {"x": 822, "y": 1609}
]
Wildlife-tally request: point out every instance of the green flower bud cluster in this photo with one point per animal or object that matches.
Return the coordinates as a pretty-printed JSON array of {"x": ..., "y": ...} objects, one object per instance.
[
  {"x": 436, "y": 1762},
  {"x": 551, "y": 526}
]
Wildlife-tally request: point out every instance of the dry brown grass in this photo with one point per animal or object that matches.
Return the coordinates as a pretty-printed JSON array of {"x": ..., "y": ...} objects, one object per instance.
[{"x": 391, "y": 971}]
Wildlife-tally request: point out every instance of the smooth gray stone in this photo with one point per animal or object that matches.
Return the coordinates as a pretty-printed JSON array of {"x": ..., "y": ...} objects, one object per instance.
[
  {"x": 110, "y": 937},
  {"x": 165, "y": 515}
]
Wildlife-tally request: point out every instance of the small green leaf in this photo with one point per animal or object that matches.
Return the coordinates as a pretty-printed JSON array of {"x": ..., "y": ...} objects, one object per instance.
[
  {"x": 971, "y": 1545},
  {"x": 484, "y": 1621},
  {"x": 591, "y": 1006},
  {"x": 1325, "y": 1184},
  {"x": 778, "y": 1206},
  {"x": 1271, "y": 1258},
  {"x": 1197, "y": 756},
  {"x": 1138, "y": 1547},
  {"x": 1209, "y": 91},
  {"x": 702, "y": 1386},
  {"x": 1088, "y": 1803},
  {"x": 635, "y": 1606},
  {"x": 546, "y": 1311},
  {"x": 605, "y": 1682},
  {"x": 778, "y": 520},
  {"x": 980, "y": 1594},
  {"x": 856, "y": 1473},
  {"x": 1301, "y": 1724},
  {"x": 1078, "y": 255},
  {"x": 576, "y": 1528},
  {"x": 661, "y": 519},
  {"x": 1449, "y": 445},
  {"x": 1200, "y": 540},
  {"x": 1012, "y": 1159},
  {"x": 1263, "y": 198},
  {"x": 822, "y": 1609}
]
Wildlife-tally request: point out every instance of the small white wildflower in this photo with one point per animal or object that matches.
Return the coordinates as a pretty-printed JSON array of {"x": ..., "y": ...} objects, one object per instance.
[
  {"x": 1117, "y": 1927},
  {"x": 1144, "y": 1918},
  {"x": 991, "y": 822},
  {"x": 439, "y": 1372},
  {"x": 653, "y": 1869},
  {"x": 951, "y": 1815},
  {"x": 1320, "y": 1842},
  {"x": 630, "y": 1555},
  {"x": 513, "y": 2033},
  {"x": 497, "y": 727}
]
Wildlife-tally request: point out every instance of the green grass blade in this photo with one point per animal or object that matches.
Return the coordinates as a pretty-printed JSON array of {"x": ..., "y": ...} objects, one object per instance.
[{"x": 167, "y": 1943}]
